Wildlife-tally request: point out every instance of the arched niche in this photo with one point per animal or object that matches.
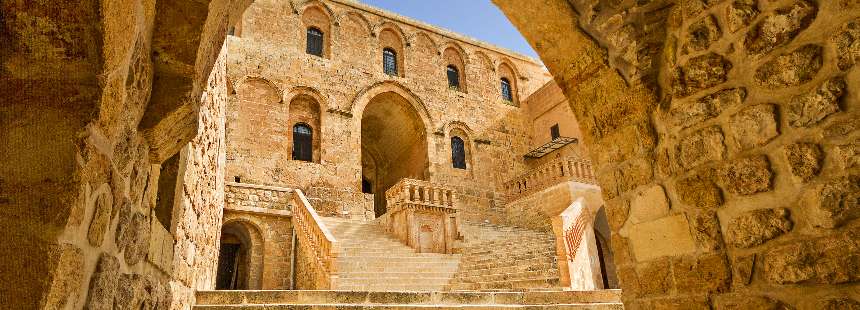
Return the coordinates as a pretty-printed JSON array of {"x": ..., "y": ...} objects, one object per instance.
[
  {"x": 318, "y": 16},
  {"x": 391, "y": 37},
  {"x": 305, "y": 110},
  {"x": 454, "y": 56},
  {"x": 240, "y": 259},
  {"x": 507, "y": 73}
]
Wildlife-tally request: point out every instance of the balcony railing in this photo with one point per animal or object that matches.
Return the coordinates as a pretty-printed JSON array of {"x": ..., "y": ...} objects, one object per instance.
[
  {"x": 554, "y": 172},
  {"x": 315, "y": 240},
  {"x": 423, "y": 215}
]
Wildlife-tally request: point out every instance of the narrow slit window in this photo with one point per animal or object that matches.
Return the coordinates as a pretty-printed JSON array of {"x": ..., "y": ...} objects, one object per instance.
[
  {"x": 389, "y": 61},
  {"x": 553, "y": 132},
  {"x": 453, "y": 77},
  {"x": 507, "y": 92},
  {"x": 302, "y": 143},
  {"x": 315, "y": 42},
  {"x": 458, "y": 153}
]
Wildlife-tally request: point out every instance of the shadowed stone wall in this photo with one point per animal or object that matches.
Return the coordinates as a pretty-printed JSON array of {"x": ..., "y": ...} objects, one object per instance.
[{"x": 724, "y": 135}]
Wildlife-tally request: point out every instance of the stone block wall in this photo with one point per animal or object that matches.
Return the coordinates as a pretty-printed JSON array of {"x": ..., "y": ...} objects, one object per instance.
[
  {"x": 723, "y": 146},
  {"x": 274, "y": 231},
  {"x": 344, "y": 203}
]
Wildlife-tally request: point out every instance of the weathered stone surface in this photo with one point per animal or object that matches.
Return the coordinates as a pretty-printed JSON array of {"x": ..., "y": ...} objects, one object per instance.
[
  {"x": 805, "y": 160},
  {"x": 848, "y": 155},
  {"x": 746, "y": 302},
  {"x": 742, "y": 269},
  {"x": 103, "y": 285},
  {"x": 848, "y": 45},
  {"x": 699, "y": 190},
  {"x": 791, "y": 69},
  {"x": 132, "y": 235},
  {"x": 740, "y": 13},
  {"x": 649, "y": 205},
  {"x": 668, "y": 236},
  {"x": 746, "y": 176},
  {"x": 687, "y": 303},
  {"x": 701, "y": 146},
  {"x": 617, "y": 211},
  {"x": 709, "y": 273},
  {"x": 758, "y": 226},
  {"x": 753, "y": 126},
  {"x": 699, "y": 73},
  {"x": 706, "y": 230},
  {"x": 702, "y": 33},
  {"x": 693, "y": 112},
  {"x": 829, "y": 260},
  {"x": 100, "y": 220},
  {"x": 841, "y": 128},
  {"x": 627, "y": 177},
  {"x": 778, "y": 29},
  {"x": 655, "y": 278},
  {"x": 839, "y": 304},
  {"x": 132, "y": 293},
  {"x": 67, "y": 278},
  {"x": 835, "y": 202},
  {"x": 809, "y": 109}
]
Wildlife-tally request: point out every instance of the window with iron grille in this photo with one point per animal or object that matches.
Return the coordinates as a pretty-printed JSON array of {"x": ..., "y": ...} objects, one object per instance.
[
  {"x": 458, "y": 153},
  {"x": 389, "y": 61},
  {"x": 506, "y": 90},
  {"x": 315, "y": 42},
  {"x": 302, "y": 142},
  {"x": 553, "y": 132},
  {"x": 453, "y": 77}
]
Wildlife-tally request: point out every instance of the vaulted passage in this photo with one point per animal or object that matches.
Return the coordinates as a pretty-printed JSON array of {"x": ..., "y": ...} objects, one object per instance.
[{"x": 393, "y": 145}]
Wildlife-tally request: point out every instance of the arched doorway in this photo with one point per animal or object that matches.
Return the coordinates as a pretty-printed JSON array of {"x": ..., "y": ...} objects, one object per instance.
[
  {"x": 393, "y": 145},
  {"x": 239, "y": 258},
  {"x": 604, "y": 250}
]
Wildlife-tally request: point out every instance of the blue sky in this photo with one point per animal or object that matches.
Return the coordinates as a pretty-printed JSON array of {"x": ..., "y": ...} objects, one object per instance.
[{"x": 479, "y": 19}]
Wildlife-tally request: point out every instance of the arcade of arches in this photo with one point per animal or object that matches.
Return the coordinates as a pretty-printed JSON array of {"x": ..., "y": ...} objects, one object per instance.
[{"x": 708, "y": 151}]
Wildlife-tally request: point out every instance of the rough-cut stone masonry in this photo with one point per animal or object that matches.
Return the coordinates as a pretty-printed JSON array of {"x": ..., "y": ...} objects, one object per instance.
[{"x": 746, "y": 113}]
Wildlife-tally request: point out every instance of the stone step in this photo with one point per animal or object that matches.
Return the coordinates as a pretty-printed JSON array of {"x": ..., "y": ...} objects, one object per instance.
[
  {"x": 395, "y": 275},
  {"x": 344, "y": 267},
  {"x": 522, "y": 242},
  {"x": 539, "y": 283},
  {"x": 537, "y": 261},
  {"x": 508, "y": 269},
  {"x": 607, "y": 306},
  {"x": 327, "y": 297},
  {"x": 499, "y": 277},
  {"x": 514, "y": 254},
  {"x": 411, "y": 280}
]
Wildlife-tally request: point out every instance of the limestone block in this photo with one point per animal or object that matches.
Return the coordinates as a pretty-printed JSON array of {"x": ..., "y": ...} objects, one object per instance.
[
  {"x": 840, "y": 129},
  {"x": 668, "y": 236},
  {"x": 132, "y": 293},
  {"x": 655, "y": 278},
  {"x": 848, "y": 155},
  {"x": 699, "y": 73},
  {"x": 101, "y": 220},
  {"x": 847, "y": 42},
  {"x": 809, "y": 109},
  {"x": 745, "y": 302},
  {"x": 702, "y": 33},
  {"x": 805, "y": 160},
  {"x": 746, "y": 176},
  {"x": 706, "y": 230},
  {"x": 709, "y": 273},
  {"x": 617, "y": 211},
  {"x": 103, "y": 284},
  {"x": 835, "y": 202},
  {"x": 699, "y": 190},
  {"x": 740, "y": 13},
  {"x": 829, "y": 260},
  {"x": 791, "y": 69},
  {"x": 753, "y": 126},
  {"x": 758, "y": 226},
  {"x": 67, "y": 278},
  {"x": 742, "y": 269},
  {"x": 694, "y": 112},
  {"x": 649, "y": 205},
  {"x": 688, "y": 303},
  {"x": 839, "y": 304},
  {"x": 780, "y": 28},
  {"x": 701, "y": 146},
  {"x": 626, "y": 177}
]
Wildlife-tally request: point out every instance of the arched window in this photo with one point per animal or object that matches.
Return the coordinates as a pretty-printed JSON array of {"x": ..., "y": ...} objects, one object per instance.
[
  {"x": 458, "y": 153},
  {"x": 315, "y": 42},
  {"x": 389, "y": 61},
  {"x": 507, "y": 93},
  {"x": 453, "y": 77},
  {"x": 303, "y": 142}
]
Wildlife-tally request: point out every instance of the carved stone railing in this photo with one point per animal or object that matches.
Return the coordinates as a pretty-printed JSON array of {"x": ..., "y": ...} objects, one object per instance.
[
  {"x": 315, "y": 241},
  {"x": 423, "y": 215},
  {"x": 554, "y": 172}
]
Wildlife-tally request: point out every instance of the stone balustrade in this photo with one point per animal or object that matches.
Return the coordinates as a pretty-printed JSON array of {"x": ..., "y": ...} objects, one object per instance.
[
  {"x": 423, "y": 215},
  {"x": 554, "y": 172},
  {"x": 315, "y": 241}
]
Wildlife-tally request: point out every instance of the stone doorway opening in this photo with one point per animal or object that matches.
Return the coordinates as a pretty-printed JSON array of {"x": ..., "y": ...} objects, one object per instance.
[
  {"x": 239, "y": 258},
  {"x": 393, "y": 145}
]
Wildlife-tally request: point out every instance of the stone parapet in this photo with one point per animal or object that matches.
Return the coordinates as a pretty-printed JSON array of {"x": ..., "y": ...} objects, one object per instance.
[
  {"x": 555, "y": 172},
  {"x": 423, "y": 215},
  {"x": 244, "y": 196}
]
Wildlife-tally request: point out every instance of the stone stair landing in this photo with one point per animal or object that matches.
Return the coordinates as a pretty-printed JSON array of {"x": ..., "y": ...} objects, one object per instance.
[{"x": 372, "y": 260}]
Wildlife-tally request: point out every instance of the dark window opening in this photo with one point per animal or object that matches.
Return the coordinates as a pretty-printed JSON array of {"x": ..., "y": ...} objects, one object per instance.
[
  {"x": 231, "y": 31},
  {"x": 507, "y": 92},
  {"x": 458, "y": 153},
  {"x": 302, "y": 142},
  {"x": 366, "y": 187},
  {"x": 553, "y": 132},
  {"x": 389, "y": 61},
  {"x": 315, "y": 42},
  {"x": 238, "y": 179},
  {"x": 453, "y": 77},
  {"x": 167, "y": 190}
]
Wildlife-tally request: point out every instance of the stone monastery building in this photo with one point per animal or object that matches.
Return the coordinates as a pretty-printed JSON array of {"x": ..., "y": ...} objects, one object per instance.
[{"x": 325, "y": 154}]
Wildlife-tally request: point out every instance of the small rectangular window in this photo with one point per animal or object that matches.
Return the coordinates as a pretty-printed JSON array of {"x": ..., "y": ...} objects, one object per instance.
[
  {"x": 315, "y": 42},
  {"x": 389, "y": 61},
  {"x": 553, "y": 132},
  {"x": 231, "y": 31}
]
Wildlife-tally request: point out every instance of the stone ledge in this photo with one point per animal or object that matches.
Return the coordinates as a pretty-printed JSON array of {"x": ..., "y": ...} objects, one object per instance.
[
  {"x": 262, "y": 211},
  {"x": 256, "y": 186}
]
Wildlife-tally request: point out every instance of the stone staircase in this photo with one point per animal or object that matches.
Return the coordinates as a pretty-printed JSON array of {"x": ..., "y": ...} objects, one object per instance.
[
  {"x": 517, "y": 259},
  {"x": 288, "y": 300},
  {"x": 371, "y": 260}
]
